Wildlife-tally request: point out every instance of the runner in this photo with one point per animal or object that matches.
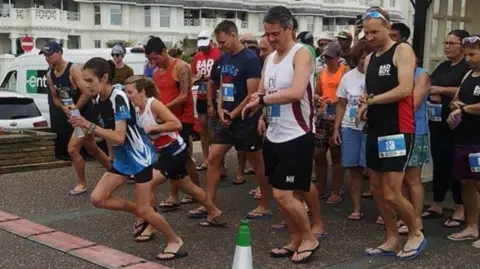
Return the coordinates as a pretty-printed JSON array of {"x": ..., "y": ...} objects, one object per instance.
[
  {"x": 239, "y": 77},
  {"x": 287, "y": 81},
  {"x": 464, "y": 120},
  {"x": 134, "y": 154},
  {"x": 70, "y": 93},
  {"x": 162, "y": 128},
  {"x": 201, "y": 66},
  {"x": 173, "y": 81},
  {"x": 390, "y": 130}
]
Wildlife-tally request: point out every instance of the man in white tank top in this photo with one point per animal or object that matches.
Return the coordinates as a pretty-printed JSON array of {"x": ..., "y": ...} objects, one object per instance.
[{"x": 286, "y": 88}]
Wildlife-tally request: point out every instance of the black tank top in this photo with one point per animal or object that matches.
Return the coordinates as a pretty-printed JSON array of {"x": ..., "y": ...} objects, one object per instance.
[
  {"x": 468, "y": 131},
  {"x": 64, "y": 86},
  {"x": 393, "y": 118}
]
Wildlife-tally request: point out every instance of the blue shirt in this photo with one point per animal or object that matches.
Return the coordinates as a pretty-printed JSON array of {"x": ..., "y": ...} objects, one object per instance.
[
  {"x": 148, "y": 70},
  {"x": 421, "y": 120},
  {"x": 137, "y": 152},
  {"x": 235, "y": 70}
]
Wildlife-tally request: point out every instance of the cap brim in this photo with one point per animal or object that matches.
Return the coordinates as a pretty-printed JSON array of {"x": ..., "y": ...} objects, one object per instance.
[{"x": 203, "y": 43}]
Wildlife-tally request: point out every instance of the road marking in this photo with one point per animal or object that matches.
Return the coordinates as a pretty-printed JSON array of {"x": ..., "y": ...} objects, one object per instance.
[{"x": 73, "y": 245}]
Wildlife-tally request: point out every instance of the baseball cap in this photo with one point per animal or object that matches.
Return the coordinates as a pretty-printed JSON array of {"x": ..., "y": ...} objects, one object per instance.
[
  {"x": 326, "y": 36},
  {"x": 345, "y": 35},
  {"x": 118, "y": 49},
  {"x": 203, "y": 39},
  {"x": 51, "y": 47},
  {"x": 305, "y": 37},
  {"x": 333, "y": 50}
]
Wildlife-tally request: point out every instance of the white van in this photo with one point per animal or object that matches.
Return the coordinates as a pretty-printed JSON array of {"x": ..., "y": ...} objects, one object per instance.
[{"x": 26, "y": 73}]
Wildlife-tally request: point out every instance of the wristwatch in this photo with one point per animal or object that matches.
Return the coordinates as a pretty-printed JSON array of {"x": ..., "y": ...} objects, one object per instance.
[
  {"x": 370, "y": 99},
  {"x": 462, "y": 109},
  {"x": 260, "y": 99}
]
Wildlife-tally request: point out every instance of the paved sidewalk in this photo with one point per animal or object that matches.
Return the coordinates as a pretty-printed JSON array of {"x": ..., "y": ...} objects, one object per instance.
[{"x": 41, "y": 197}]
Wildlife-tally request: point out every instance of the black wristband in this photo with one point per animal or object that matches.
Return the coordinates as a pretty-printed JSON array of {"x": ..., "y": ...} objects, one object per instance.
[
  {"x": 260, "y": 99},
  {"x": 462, "y": 109}
]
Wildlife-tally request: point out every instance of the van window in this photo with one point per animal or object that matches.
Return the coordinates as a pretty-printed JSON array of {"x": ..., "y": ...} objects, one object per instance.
[
  {"x": 36, "y": 81},
  {"x": 18, "y": 108},
  {"x": 10, "y": 81}
]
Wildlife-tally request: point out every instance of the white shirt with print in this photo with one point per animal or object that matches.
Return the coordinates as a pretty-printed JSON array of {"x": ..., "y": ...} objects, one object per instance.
[{"x": 351, "y": 88}]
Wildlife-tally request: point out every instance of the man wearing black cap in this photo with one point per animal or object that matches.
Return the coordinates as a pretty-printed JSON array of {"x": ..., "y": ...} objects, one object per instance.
[
  {"x": 69, "y": 93},
  {"x": 345, "y": 40}
]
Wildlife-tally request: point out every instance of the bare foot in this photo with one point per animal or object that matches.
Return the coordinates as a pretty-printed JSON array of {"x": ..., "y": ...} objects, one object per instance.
[
  {"x": 389, "y": 246},
  {"x": 172, "y": 251},
  {"x": 412, "y": 246},
  {"x": 290, "y": 248}
]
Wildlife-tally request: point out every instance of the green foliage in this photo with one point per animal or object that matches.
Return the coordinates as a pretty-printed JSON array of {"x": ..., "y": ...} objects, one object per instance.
[
  {"x": 187, "y": 46},
  {"x": 125, "y": 43}
]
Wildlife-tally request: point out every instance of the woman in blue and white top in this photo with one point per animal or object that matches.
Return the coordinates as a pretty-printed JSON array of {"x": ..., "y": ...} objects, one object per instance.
[{"x": 133, "y": 153}]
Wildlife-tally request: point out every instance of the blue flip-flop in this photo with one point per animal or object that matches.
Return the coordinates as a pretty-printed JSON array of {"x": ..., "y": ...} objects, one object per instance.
[
  {"x": 382, "y": 253},
  {"x": 320, "y": 235},
  {"x": 416, "y": 251}
]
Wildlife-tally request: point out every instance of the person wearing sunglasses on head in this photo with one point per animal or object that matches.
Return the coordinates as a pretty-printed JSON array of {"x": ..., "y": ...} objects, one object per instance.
[
  {"x": 464, "y": 120},
  {"x": 387, "y": 106},
  {"x": 122, "y": 71}
]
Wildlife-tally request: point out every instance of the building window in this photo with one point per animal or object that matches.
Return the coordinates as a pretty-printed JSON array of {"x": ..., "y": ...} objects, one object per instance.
[
  {"x": 393, "y": 3},
  {"x": 97, "y": 43},
  {"x": 164, "y": 17},
  {"x": 98, "y": 15},
  {"x": 261, "y": 28},
  {"x": 310, "y": 24},
  {"x": 115, "y": 15},
  {"x": 148, "y": 17}
]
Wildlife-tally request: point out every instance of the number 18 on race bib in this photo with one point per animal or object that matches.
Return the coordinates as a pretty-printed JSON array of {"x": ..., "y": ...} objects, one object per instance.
[
  {"x": 391, "y": 146},
  {"x": 273, "y": 113},
  {"x": 474, "y": 161},
  {"x": 228, "y": 92}
]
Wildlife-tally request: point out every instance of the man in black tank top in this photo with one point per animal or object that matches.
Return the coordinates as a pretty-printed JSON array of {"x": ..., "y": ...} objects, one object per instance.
[
  {"x": 464, "y": 120},
  {"x": 69, "y": 93},
  {"x": 390, "y": 128}
]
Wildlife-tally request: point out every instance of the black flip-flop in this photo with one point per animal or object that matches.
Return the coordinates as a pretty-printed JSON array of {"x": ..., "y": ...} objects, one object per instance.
[
  {"x": 286, "y": 254},
  {"x": 213, "y": 223},
  {"x": 168, "y": 207},
  {"x": 198, "y": 214},
  {"x": 143, "y": 226},
  {"x": 459, "y": 221},
  {"x": 176, "y": 255},
  {"x": 236, "y": 182},
  {"x": 307, "y": 259},
  {"x": 432, "y": 214}
]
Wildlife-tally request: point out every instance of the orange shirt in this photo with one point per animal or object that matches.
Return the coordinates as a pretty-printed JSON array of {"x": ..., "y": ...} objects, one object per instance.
[
  {"x": 168, "y": 89},
  {"x": 329, "y": 82}
]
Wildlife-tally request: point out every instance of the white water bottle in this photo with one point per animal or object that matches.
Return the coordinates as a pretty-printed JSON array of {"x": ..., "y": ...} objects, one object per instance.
[{"x": 78, "y": 131}]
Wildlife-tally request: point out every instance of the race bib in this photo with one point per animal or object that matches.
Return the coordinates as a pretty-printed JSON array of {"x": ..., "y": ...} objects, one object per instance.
[
  {"x": 352, "y": 114},
  {"x": 391, "y": 146},
  {"x": 273, "y": 113},
  {"x": 228, "y": 92},
  {"x": 474, "y": 161},
  {"x": 434, "y": 112},
  {"x": 202, "y": 88},
  {"x": 67, "y": 101},
  {"x": 329, "y": 113}
]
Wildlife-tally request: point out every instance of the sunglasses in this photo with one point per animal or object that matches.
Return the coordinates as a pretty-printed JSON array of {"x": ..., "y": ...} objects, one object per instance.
[
  {"x": 203, "y": 38},
  {"x": 471, "y": 40},
  {"x": 116, "y": 55},
  {"x": 374, "y": 15}
]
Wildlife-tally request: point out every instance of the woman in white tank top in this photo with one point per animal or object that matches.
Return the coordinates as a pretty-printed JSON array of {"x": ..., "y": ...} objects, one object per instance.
[{"x": 162, "y": 128}]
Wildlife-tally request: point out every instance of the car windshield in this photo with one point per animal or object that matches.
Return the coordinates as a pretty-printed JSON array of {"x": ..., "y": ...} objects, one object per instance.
[{"x": 18, "y": 108}]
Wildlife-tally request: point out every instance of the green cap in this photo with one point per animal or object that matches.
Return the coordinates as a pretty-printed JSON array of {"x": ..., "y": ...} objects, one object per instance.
[{"x": 243, "y": 236}]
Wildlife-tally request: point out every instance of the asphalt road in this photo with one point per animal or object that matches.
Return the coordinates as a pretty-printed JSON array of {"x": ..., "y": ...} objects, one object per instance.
[{"x": 41, "y": 196}]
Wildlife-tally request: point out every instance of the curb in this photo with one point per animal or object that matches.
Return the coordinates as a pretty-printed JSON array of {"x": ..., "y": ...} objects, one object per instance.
[{"x": 72, "y": 245}]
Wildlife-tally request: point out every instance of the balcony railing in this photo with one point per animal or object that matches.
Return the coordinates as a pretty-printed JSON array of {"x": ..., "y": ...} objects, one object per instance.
[
  {"x": 211, "y": 23},
  {"x": 37, "y": 17}
]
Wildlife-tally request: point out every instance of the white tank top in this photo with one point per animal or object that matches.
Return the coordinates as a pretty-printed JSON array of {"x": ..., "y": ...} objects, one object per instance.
[
  {"x": 162, "y": 140},
  {"x": 288, "y": 121}
]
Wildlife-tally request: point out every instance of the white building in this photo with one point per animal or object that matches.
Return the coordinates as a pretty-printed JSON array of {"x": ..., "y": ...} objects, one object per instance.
[{"x": 91, "y": 23}]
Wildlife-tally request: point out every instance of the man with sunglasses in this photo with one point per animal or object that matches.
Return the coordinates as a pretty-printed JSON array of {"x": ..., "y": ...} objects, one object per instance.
[
  {"x": 390, "y": 127},
  {"x": 464, "y": 120},
  {"x": 69, "y": 93},
  {"x": 122, "y": 71}
]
